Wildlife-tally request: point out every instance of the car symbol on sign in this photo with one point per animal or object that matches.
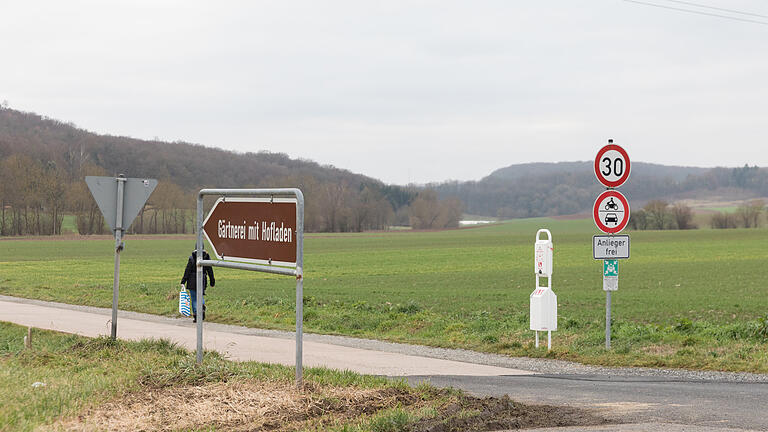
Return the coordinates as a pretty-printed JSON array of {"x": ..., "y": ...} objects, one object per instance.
[{"x": 612, "y": 217}]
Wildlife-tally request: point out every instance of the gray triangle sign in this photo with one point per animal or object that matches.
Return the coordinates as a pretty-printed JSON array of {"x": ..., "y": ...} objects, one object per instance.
[{"x": 136, "y": 191}]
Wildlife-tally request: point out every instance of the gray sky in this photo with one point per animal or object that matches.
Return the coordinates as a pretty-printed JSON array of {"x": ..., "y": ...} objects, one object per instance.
[{"x": 404, "y": 91}]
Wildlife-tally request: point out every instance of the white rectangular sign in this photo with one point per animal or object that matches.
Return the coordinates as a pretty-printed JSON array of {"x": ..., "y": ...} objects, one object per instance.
[
  {"x": 610, "y": 283},
  {"x": 610, "y": 247}
]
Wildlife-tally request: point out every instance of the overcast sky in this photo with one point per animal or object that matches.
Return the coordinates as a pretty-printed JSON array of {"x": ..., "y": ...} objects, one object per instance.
[{"x": 404, "y": 91}]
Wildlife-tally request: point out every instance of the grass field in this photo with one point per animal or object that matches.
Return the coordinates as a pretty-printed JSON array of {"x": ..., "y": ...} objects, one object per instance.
[
  {"x": 694, "y": 299},
  {"x": 67, "y": 382}
]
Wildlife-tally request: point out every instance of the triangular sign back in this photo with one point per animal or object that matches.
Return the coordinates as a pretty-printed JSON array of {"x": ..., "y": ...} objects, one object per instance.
[{"x": 136, "y": 192}]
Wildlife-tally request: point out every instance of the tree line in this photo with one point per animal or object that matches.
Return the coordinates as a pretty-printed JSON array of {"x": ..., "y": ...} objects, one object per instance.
[
  {"x": 661, "y": 215},
  {"x": 43, "y": 164}
]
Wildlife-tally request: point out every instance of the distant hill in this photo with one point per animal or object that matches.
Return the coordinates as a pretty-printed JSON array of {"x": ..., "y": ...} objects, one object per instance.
[
  {"x": 190, "y": 166},
  {"x": 639, "y": 169},
  {"x": 548, "y": 189},
  {"x": 61, "y": 153}
]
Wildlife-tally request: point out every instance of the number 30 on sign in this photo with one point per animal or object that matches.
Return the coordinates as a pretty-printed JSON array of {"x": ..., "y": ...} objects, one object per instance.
[{"x": 612, "y": 166}]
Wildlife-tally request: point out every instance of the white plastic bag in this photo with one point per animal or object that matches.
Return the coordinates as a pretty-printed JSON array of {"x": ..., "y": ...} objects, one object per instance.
[{"x": 184, "y": 306}]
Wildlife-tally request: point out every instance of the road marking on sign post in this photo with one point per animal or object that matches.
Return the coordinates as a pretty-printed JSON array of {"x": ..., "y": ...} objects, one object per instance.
[{"x": 610, "y": 247}]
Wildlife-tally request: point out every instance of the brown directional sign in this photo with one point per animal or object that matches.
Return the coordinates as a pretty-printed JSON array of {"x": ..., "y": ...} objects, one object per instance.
[{"x": 257, "y": 230}]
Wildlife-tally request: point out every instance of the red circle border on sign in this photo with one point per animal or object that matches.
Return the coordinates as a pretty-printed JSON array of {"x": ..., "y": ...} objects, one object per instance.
[
  {"x": 595, "y": 207},
  {"x": 624, "y": 177}
]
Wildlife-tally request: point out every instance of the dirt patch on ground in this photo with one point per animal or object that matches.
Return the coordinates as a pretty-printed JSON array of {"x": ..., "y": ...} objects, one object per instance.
[
  {"x": 269, "y": 406},
  {"x": 492, "y": 414},
  {"x": 234, "y": 406}
]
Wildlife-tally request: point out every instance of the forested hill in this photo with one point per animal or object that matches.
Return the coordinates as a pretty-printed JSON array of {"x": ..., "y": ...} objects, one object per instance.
[
  {"x": 44, "y": 162},
  {"x": 545, "y": 189},
  {"x": 189, "y": 166}
]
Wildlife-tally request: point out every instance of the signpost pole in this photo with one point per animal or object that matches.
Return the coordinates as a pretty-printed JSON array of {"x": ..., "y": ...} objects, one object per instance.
[
  {"x": 299, "y": 287},
  {"x": 608, "y": 315},
  {"x": 607, "y": 320},
  {"x": 612, "y": 168},
  {"x": 199, "y": 280},
  {"x": 118, "y": 247}
]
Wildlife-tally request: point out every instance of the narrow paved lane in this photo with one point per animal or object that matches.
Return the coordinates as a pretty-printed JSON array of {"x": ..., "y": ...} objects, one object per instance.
[{"x": 236, "y": 343}]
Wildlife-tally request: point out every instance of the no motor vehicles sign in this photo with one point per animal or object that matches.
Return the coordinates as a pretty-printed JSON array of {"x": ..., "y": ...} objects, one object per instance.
[{"x": 611, "y": 212}]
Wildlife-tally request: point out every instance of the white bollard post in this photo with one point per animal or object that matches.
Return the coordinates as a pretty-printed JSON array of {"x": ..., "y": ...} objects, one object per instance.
[{"x": 549, "y": 340}]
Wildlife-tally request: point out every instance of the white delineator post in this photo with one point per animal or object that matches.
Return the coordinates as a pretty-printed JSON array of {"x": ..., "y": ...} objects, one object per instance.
[{"x": 543, "y": 308}]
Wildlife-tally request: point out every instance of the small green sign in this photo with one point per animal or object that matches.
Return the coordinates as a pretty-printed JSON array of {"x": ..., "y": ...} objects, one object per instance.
[{"x": 611, "y": 268}]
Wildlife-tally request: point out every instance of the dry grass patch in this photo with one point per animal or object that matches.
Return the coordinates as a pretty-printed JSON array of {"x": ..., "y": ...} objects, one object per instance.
[
  {"x": 660, "y": 350},
  {"x": 245, "y": 405}
]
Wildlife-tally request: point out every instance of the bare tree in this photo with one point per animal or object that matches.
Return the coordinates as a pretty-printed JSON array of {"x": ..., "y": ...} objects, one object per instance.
[
  {"x": 723, "y": 220},
  {"x": 638, "y": 220},
  {"x": 683, "y": 216},
  {"x": 658, "y": 214},
  {"x": 427, "y": 212},
  {"x": 334, "y": 199},
  {"x": 749, "y": 213}
]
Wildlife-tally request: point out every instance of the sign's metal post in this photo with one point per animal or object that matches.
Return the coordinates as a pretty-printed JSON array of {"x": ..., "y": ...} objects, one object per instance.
[
  {"x": 249, "y": 233},
  {"x": 299, "y": 289},
  {"x": 607, "y": 320},
  {"x": 608, "y": 315},
  {"x": 199, "y": 280},
  {"x": 118, "y": 248}
]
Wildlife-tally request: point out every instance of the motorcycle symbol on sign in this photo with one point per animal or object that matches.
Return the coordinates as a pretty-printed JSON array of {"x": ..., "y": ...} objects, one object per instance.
[{"x": 611, "y": 205}]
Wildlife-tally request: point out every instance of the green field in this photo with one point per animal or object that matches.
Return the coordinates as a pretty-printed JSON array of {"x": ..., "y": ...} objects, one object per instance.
[{"x": 694, "y": 299}]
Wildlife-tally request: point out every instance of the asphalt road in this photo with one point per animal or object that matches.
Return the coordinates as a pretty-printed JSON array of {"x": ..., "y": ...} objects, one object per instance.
[
  {"x": 644, "y": 400},
  {"x": 631, "y": 399}
]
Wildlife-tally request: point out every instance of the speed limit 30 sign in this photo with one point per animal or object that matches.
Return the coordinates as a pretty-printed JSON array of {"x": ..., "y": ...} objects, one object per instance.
[{"x": 612, "y": 166}]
